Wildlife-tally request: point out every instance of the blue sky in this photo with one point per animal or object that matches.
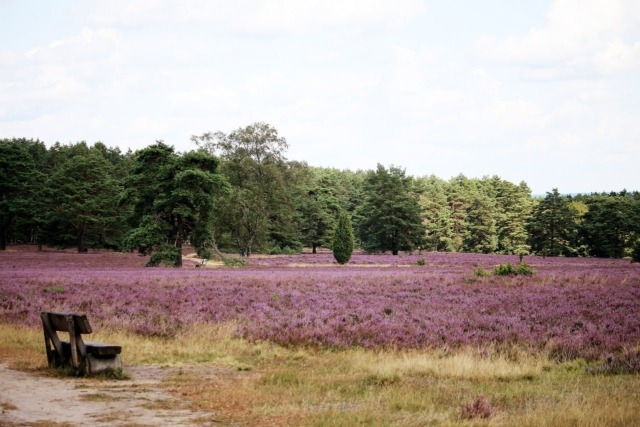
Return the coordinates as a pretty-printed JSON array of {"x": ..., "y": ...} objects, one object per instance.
[{"x": 546, "y": 92}]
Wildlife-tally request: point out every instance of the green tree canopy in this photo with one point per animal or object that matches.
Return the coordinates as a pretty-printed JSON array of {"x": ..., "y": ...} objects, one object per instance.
[
  {"x": 260, "y": 212},
  {"x": 437, "y": 215},
  {"x": 20, "y": 183},
  {"x": 83, "y": 196},
  {"x": 608, "y": 227},
  {"x": 480, "y": 234},
  {"x": 173, "y": 199},
  {"x": 552, "y": 228},
  {"x": 389, "y": 218}
]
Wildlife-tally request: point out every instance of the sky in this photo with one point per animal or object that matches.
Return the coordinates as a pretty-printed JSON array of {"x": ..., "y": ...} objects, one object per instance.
[{"x": 541, "y": 91}]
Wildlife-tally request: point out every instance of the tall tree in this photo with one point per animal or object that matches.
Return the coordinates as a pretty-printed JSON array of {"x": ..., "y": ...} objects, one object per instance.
[
  {"x": 19, "y": 184},
  {"x": 260, "y": 212},
  {"x": 83, "y": 196},
  {"x": 437, "y": 215},
  {"x": 173, "y": 198},
  {"x": 608, "y": 225},
  {"x": 552, "y": 229},
  {"x": 317, "y": 211},
  {"x": 480, "y": 234},
  {"x": 458, "y": 199},
  {"x": 513, "y": 209},
  {"x": 389, "y": 218}
]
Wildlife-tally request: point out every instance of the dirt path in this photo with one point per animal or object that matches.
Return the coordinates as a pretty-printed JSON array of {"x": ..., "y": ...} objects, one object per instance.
[{"x": 27, "y": 399}]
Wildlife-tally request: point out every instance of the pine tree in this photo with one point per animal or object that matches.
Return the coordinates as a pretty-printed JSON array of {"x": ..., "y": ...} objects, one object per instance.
[
  {"x": 82, "y": 194},
  {"x": 19, "y": 182},
  {"x": 172, "y": 195},
  {"x": 390, "y": 217},
  {"x": 458, "y": 199},
  {"x": 343, "y": 239},
  {"x": 437, "y": 215},
  {"x": 480, "y": 235},
  {"x": 552, "y": 229}
]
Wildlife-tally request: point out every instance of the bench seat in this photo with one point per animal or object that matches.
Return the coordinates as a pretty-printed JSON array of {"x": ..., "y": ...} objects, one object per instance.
[{"x": 95, "y": 348}]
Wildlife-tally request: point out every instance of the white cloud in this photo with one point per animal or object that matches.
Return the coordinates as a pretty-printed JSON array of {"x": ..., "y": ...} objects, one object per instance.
[
  {"x": 308, "y": 16},
  {"x": 617, "y": 56},
  {"x": 581, "y": 37},
  {"x": 279, "y": 16},
  {"x": 376, "y": 81}
]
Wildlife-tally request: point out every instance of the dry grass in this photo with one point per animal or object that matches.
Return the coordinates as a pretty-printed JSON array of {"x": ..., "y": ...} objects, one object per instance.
[{"x": 263, "y": 384}]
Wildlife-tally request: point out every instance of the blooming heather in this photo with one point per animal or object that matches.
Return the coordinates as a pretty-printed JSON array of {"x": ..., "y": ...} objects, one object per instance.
[{"x": 577, "y": 307}]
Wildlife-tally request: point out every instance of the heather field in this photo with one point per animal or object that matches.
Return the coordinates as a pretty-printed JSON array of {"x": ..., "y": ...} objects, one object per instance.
[
  {"x": 576, "y": 307},
  {"x": 381, "y": 327}
]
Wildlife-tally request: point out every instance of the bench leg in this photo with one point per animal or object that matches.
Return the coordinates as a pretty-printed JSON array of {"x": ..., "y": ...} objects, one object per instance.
[{"x": 94, "y": 365}]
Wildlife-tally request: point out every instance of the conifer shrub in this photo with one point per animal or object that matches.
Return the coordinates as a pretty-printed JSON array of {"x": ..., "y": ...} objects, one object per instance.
[{"x": 343, "y": 239}]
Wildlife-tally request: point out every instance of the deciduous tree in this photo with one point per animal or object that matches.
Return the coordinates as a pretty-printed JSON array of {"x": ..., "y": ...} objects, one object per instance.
[{"x": 260, "y": 213}]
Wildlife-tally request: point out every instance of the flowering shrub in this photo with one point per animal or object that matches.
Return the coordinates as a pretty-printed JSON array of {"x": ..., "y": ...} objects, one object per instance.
[
  {"x": 479, "y": 408},
  {"x": 577, "y": 307}
]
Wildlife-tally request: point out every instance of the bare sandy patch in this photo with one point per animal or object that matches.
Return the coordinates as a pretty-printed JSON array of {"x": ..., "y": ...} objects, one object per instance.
[
  {"x": 302, "y": 264},
  {"x": 28, "y": 398}
]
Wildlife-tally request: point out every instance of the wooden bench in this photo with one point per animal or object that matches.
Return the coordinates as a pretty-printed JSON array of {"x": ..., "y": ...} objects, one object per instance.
[{"x": 87, "y": 358}]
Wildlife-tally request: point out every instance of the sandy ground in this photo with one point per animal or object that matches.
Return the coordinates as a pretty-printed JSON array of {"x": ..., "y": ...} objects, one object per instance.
[{"x": 29, "y": 399}]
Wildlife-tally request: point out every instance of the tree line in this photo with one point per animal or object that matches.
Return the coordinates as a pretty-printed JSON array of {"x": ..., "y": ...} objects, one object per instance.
[{"x": 238, "y": 193}]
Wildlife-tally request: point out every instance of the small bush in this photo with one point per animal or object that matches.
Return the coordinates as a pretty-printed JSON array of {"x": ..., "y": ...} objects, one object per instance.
[
  {"x": 421, "y": 261},
  {"x": 627, "y": 362},
  {"x": 204, "y": 253},
  {"x": 167, "y": 255},
  {"x": 58, "y": 289},
  {"x": 504, "y": 270},
  {"x": 480, "y": 272},
  {"x": 524, "y": 270},
  {"x": 233, "y": 262},
  {"x": 479, "y": 408},
  {"x": 509, "y": 270}
]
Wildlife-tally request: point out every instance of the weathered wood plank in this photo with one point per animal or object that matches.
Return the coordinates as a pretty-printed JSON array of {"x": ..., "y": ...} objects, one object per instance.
[{"x": 84, "y": 357}]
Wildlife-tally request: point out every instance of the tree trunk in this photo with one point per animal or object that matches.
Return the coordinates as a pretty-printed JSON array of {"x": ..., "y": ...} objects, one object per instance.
[
  {"x": 81, "y": 243},
  {"x": 4, "y": 232},
  {"x": 3, "y": 238},
  {"x": 179, "y": 241},
  {"x": 314, "y": 246},
  {"x": 394, "y": 245}
]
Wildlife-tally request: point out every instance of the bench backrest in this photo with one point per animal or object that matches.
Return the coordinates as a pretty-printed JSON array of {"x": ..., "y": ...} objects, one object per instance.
[{"x": 59, "y": 322}]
